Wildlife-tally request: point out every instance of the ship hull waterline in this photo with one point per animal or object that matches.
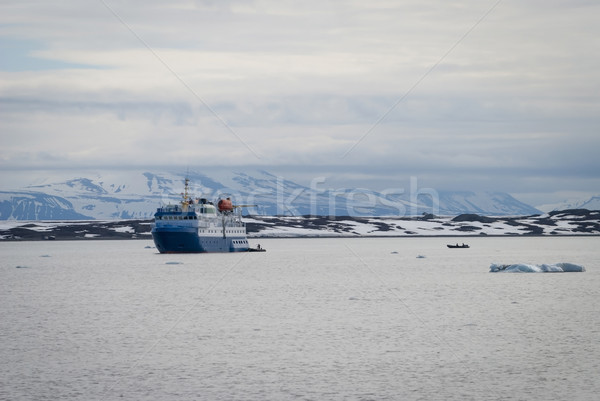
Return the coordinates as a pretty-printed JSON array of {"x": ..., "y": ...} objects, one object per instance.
[{"x": 188, "y": 241}]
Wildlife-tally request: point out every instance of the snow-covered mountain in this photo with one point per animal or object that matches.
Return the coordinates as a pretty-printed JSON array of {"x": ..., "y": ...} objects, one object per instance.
[
  {"x": 36, "y": 206},
  {"x": 591, "y": 203},
  {"x": 135, "y": 195}
]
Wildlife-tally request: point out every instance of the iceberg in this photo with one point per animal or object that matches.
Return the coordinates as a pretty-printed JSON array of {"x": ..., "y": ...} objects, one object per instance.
[{"x": 543, "y": 268}]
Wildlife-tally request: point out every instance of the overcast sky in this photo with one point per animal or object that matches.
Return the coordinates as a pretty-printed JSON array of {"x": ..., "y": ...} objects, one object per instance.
[{"x": 465, "y": 95}]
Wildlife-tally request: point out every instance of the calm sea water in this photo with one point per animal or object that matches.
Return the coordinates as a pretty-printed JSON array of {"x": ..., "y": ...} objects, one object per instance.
[{"x": 310, "y": 319}]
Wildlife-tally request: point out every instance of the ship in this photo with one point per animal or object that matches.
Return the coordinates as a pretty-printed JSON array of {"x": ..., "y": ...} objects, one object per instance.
[{"x": 196, "y": 225}]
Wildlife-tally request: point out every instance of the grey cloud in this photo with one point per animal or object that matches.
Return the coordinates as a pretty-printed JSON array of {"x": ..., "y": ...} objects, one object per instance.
[{"x": 513, "y": 105}]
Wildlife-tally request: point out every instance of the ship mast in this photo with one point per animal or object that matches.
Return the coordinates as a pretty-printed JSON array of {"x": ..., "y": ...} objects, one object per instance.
[{"x": 185, "y": 194}]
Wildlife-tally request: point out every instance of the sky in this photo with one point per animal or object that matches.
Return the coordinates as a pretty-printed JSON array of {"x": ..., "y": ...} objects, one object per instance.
[{"x": 461, "y": 95}]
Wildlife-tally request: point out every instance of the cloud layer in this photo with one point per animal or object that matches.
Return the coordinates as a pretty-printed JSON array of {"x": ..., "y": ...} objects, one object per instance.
[{"x": 464, "y": 94}]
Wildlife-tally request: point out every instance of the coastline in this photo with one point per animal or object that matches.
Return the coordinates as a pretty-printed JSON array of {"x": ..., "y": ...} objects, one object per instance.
[{"x": 577, "y": 222}]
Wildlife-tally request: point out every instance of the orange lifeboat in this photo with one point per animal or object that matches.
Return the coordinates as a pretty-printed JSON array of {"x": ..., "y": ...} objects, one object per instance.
[{"x": 225, "y": 205}]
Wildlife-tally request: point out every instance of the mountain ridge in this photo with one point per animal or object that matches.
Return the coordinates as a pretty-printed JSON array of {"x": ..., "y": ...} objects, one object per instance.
[
  {"x": 591, "y": 203},
  {"x": 136, "y": 195}
]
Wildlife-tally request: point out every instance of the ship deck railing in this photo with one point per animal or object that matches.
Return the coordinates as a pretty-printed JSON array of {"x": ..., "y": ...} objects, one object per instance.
[{"x": 200, "y": 220}]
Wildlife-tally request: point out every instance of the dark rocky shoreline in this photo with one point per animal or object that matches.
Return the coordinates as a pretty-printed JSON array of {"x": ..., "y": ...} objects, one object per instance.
[
  {"x": 566, "y": 222},
  {"x": 79, "y": 230}
]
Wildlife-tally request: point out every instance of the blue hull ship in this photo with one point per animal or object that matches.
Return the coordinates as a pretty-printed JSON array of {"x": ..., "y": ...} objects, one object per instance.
[{"x": 197, "y": 225}]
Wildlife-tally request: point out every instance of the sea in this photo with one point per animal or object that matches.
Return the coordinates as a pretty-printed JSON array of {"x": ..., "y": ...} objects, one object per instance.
[{"x": 310, "y": 319}]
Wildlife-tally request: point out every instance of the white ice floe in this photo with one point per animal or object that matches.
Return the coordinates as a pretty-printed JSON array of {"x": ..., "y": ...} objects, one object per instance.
[{"x": 543, "y": 268}]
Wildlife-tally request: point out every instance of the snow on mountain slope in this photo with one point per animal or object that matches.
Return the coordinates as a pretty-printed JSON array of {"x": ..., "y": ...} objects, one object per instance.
[
  {"x": 592, "y": 203},
  {"x": 37, "y": 206},
  {"x": 137, "y": 194},
  {"x": 487, "y": 203}
]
